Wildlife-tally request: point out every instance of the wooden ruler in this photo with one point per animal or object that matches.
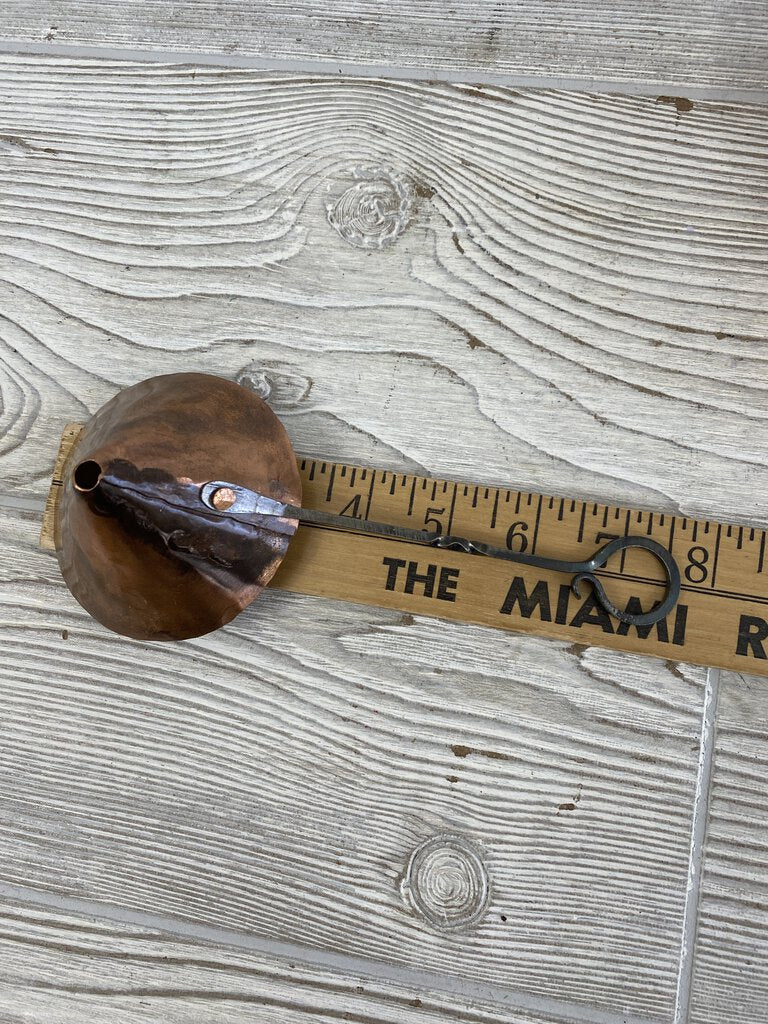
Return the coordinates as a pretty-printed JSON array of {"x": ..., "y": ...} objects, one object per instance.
[{"x": 720, "y": 620}]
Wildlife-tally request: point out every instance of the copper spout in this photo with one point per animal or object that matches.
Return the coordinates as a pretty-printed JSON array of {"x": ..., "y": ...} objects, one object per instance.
[
  {"x": 138, "y": 548},
  {"x": 86, "y": 476}
]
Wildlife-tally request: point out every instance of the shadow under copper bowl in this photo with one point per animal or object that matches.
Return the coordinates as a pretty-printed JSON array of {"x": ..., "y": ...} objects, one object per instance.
[{"x": 137, "y": 546}]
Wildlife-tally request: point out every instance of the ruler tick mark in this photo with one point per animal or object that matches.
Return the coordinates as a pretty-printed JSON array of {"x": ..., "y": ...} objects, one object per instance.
[
  {"x": 331, "y": 478},
  {"x": 370, "y": 494},
  {"x": 453, "y": 506},
  {"x": 413, "y": 495},
  {"x": 716, "y": 555},
  {"x": 536, "y": 526},
  {"x": 495, "y": 510},
  {"x": 624, "y": 550}
]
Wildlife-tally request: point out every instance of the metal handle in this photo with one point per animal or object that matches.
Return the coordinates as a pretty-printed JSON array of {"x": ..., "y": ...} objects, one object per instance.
[{"x": 230, "y": 499}]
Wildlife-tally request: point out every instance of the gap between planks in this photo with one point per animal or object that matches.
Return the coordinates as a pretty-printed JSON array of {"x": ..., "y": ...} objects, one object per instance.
[
  {"x": 376, "y": 971},
  {"x": 699, "y": 821},
  {"x": 332, "y": 69},
  {"x": 22, "y": 504}
]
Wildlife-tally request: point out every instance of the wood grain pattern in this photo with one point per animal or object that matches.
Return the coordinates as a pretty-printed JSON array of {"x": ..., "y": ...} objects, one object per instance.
[
  {"x": 275, "y": 778},
  {"x": 706, "y": 43},
  {"x": 577, "y": 304},
  {"x": 731, "y": 976},
  {"x": 581, "y": 286},
  {"x": 70, "y": 968}
]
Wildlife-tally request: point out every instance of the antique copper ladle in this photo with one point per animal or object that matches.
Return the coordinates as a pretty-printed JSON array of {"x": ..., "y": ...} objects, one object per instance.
[{"x": 181, "y": 498}]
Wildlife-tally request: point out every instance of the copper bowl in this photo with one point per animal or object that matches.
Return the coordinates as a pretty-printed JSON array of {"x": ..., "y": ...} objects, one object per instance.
[{"x": 137, "y": 546}]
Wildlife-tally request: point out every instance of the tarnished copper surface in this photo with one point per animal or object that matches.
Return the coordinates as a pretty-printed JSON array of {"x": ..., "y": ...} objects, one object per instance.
[{"x": 137, "y": 547}]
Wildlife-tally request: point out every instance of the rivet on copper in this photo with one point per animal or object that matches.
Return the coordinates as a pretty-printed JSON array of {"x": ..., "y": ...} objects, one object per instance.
[{"x": 223, "y": 499}]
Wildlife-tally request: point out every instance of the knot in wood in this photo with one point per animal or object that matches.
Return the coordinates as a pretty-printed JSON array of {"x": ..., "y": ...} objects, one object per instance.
[
  {"x": 374, "y": 212},
  {"x": 256, "y": 380},
  {"x": 447, "y": 883},
  {"x": 276, "y": 382}
]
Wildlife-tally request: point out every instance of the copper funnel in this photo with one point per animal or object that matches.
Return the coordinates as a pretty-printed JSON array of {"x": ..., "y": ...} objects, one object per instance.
[{"x": 137, "y": 546}]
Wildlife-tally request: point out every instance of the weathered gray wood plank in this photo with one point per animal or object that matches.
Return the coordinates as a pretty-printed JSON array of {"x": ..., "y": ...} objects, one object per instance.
[
  {"x": 276, "y": 778},
  {"x": 69, "y": 967},
  {"x": 706, "y": 43},
  {"x": 581, "y": 284},
  {"x": 577, "y": 303},
  {"x": 731, "y": 975}
]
